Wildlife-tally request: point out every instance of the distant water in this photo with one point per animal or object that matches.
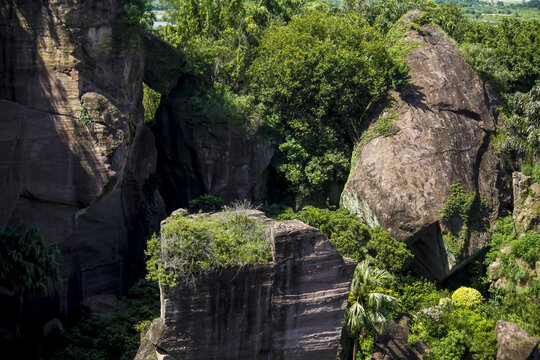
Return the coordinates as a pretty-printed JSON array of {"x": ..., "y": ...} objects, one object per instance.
[
  {"x": 159, "y": 19},
  {"x": 160, "y": 23}
]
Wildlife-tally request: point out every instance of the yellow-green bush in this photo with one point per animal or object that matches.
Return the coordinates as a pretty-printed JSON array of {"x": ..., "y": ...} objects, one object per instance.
[{"x": 467, "y": 297}]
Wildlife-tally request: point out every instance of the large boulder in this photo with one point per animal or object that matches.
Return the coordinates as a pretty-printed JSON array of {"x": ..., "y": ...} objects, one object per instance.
[
  {"x": 292, "y": 307},
  {"x": 514, "y": 343},
  {"x": 75, "y": 153},
  {"x": 393, "y": 343},
  {"x": 444, "y": 119}
]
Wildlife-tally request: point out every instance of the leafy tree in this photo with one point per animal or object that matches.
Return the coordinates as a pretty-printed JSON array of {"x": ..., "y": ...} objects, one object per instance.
[
  {"x": 522, "y": 129},
  {"x": 111, "y": 338},
  {"x": 384, "y": 14},
  {"x": 206, "y": 203},
  {"x": 314, "y": 78},
  {"x": 354, "y": 239},
  {"x": 27, "y": 264},
  {"x": 134, "y": 18},
  {"x": 368, "y": 306},
  {"x": 514, "y": 48},
  {"x": 389, "y": 254}
]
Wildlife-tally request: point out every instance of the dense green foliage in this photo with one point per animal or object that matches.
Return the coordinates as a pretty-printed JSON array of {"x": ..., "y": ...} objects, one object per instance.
[
  {"x": 206, "y": 203},
  {"x": 313, "y": 78},
  {"x": 517, "y": 257},
  {"x": 461, "y": 215},
  {"x": 302, "y": 73},
  {"x": 353, "y": 239},
  {"x": 521, "y": 131},
  {"x": 466, "y": 297},
  {"x": 134, "y": 18},
  {"x": 506, "y": 54},
  {"x": 112, "y": 338},
  {"x": 27, "y": 263},
  {"x": 151, "y": 100},
  {"x": 194, "y": 246},
  {"x": 437, "y": 321},
  {"x": 452, "y": 346},
  {"x": 389, "y": 253}
]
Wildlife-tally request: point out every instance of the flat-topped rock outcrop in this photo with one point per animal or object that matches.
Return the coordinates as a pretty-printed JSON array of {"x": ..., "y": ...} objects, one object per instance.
[{"x": 290, "y": 308}]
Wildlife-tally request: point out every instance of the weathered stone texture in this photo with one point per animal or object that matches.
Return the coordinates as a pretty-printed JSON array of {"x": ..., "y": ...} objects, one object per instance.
[
  {"x": 291, "y": 308},
  {"x": 393, "y": 343},
  {"x": 197, "y": 159},
  {"x": 445, "y": 118},
  {"x": 514, "y": 343},
  {"x": 79, "y": 181},
  {"x": 526, "y": 203}
]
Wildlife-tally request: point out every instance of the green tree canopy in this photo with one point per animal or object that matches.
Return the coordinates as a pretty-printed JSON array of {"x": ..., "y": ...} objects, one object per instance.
[
  {"x": 368, "y": 307},
  {"x": 313, "y": 78},
  {"x": 27, "y": 264}
]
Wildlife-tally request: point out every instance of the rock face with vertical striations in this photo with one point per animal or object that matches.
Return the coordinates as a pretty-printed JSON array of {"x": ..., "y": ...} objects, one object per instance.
[
  {"x": 291, "y": 308},
  {"x": 213, "y": 158},
  {"x": 75, "y": 153},
  {"x": 444, "y": 119}
]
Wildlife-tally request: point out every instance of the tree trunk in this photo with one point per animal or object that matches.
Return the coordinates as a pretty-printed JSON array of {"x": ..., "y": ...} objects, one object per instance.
[
  {"x": 355, "y": 341},
  {"x": 19, "y": 310}
]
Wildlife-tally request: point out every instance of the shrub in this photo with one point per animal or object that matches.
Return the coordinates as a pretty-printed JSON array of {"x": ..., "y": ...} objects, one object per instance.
[
  {"x": 84, "y": 116},
  {"x": 451, "y": 347},
  {"x": 205, "y": 203},
  {"x": 527, "y": 247},
  {"x": 191, "y": 247},
  {"x": 479, "y": 329},
  {"x": 503, "y": 235},
  {"x": 412, "y": 339},
  {"x": 346, "y": 233},
  {"x": 533, "y": 171},
  {"x": 444, "y": 302},
  {"x": 516, "y": 265},
  {"x": 151, "y": 101},
  {"x": 112, "y": 338},
  {"x": 417, "y": 294},
  {"x": 467, "y": 297},
  {"x": 27, "y": 264},
  {"x": 354, "y": 239},
  {"x": 389, "y": 253},
  {"x": 461, "y": 215}
]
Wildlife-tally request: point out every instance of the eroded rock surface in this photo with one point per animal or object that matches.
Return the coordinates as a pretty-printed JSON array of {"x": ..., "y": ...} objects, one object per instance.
[
  {"x": 445, "y": 118},
  {"x": 197, "y": 158},
  {"x": 514, "y": 343},
  {"x": 526, "y": 203},
  {"x": 291, "y": 308},
  {"x": 75, "y": 154},
  {"x": 393, "y": 343}
]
